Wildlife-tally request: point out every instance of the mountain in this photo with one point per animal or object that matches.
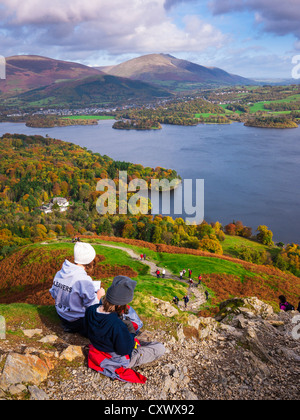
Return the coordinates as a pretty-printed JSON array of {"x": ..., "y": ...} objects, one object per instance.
[
  {"x": 166, "y": 70},
  {"x": 27, "y": 72},
  {"x": 95, "y": 90}
]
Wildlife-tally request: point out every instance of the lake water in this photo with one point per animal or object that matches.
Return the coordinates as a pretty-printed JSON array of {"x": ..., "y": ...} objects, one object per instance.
[{"x": 251, "y": 174}]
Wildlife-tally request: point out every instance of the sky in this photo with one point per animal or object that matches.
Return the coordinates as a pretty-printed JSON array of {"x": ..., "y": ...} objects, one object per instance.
[{"x": 252, "y": 38}]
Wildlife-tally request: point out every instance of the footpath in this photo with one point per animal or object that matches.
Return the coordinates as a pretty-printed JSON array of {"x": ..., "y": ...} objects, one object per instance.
[{"x": 195, "y": 294}]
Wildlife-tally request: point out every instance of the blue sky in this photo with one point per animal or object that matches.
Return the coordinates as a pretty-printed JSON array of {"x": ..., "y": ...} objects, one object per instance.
[{"x": 252, "y": 38}]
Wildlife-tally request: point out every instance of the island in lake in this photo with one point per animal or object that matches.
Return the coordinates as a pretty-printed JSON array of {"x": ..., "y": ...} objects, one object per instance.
[
  {"x": 49, "y": 121},
  {"x": 137, "y": 124}
]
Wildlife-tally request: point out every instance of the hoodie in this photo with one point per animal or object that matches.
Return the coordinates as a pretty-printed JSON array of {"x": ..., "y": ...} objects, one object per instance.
[
  {"x": 108, "y": 333},
  {"x": 73, "y": 291}
]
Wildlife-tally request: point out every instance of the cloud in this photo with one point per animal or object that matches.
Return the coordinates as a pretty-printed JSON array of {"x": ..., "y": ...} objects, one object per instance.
[
  {"x": 118, "y": 27},
  {"x": 276, "y": 16}
]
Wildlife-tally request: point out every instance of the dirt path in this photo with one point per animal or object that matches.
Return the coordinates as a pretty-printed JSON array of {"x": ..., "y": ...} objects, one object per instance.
[
  {"x": 152, "y": 265},
  {"x": 196, "y": 295}
]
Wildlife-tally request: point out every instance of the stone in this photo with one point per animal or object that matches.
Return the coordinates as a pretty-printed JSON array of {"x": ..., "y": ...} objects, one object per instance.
[
  {"x": 20, "y": 368},
  {"x": 32, "y": 333},
  {"x": 17, "y": 389},
  {"x": 71, "y": 353},
  {"x": 165, "y": 308},
  {"x": 37, "y": 394},
  {"x": 49, "y": 339}
]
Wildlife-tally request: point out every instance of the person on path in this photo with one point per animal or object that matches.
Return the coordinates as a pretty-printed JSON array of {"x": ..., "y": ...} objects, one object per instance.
[
  {"x": 284, "y": 305},
  {"x": 186, "y": 301},
  {"x": 73, "y": 289},
  {"x": 158, "y": 273},
  {"x": 191, "y": 281},
  {"x": 206, "y": 295},
  {"x": 199, "y": 280},
  {"x": 111, "y": 328},
  {"x": 190, "y": 273},
  {"x": 175, "y": 300},
  {"x": 181, "y": 274},
  {"x": 163, "y": 273}
]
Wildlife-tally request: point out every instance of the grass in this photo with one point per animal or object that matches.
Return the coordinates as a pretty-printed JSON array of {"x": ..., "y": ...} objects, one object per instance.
[
  {"x": 237, "y": 241},
  {"x": 222, "y": 278}
]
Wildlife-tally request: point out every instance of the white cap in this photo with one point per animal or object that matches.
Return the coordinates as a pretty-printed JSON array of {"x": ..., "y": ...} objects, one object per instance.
[{"x": 84, "y": 253}]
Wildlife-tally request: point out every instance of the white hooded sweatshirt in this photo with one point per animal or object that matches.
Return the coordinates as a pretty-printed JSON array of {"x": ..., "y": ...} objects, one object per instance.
[{"x": 73, "y": 291}]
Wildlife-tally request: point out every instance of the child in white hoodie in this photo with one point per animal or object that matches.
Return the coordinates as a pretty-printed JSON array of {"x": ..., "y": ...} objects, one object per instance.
[{"x": 73, "y": 290}]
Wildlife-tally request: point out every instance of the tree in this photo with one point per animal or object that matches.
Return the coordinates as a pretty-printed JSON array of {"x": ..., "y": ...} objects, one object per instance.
[{"x": 265, "y": 235}]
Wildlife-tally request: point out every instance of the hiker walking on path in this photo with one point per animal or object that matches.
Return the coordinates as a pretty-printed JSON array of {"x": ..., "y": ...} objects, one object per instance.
[
  {"x": 199, "y": 280},
  {"x": 73, "y": 289},
  {"x": 186, "y": 301},
  {"x": 191, "y": 281},
  {"x": 112, "y": 327},
  {"x": 163, "y": 273},
  {"x": 206, "y": 295},
  {"x": 158, "y": 273},
  {"x": 181, "y": 274},
  {"x": 175, "y": 300}
]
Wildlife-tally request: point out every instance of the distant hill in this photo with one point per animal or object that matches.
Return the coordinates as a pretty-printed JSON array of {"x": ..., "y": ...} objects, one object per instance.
[
  {"x": 26, "y": 72},
  {"x": 169, "y": 71},
  {"x": 96, "y": 90}
]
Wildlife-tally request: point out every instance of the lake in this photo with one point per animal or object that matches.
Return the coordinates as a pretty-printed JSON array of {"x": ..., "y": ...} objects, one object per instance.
[{"x": 251, "y": 174}]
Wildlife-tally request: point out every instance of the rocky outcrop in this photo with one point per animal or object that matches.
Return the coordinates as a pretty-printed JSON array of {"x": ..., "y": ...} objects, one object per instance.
[{"x": 247, "y": 352}]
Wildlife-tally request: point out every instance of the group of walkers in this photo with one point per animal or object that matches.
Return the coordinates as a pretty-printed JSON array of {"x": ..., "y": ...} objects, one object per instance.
[
  {"x": 161, "y": 273},
  {"x": 104, "y": 317}
]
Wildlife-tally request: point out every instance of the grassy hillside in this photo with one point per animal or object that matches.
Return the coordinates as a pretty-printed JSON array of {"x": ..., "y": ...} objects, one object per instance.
[
  {"x": 27, "y": 275},
  {"x": 95, "y": 90}
]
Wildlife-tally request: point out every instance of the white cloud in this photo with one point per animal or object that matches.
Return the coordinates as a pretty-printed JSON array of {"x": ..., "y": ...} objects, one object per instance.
[{"x": 139, "y": 26}]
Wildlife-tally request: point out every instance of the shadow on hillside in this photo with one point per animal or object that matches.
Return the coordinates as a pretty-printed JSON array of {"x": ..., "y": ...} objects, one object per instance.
[{"x": 50, "y": 320}]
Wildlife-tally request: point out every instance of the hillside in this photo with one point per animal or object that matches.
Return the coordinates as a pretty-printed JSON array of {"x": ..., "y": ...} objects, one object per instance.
[
  {"x": 166, "y": 70},
  {"x": 25, "y": 280},
  {"x": 244, "y": 353},
  {"x": 26, "y": 72},
  {"x": 97, "y": 90}
]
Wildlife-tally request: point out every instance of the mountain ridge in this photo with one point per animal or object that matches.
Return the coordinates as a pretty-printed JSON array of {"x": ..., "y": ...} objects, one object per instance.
[{"x": 154, "y": 68}]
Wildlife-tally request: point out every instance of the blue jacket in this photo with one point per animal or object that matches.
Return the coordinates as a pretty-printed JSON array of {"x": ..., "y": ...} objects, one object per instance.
[
  {"x": 108, "y": 333},
  {"x": 73, "y": 291}
]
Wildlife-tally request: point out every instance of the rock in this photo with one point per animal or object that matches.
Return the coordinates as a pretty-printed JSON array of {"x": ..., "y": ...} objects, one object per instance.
[
  {"x": 180, "y": 333},
  {"x": 32, "y": 333},
  {"x": 23, "y": 369},
  {"x": 71, "y": 353},
  {"x": 49, "y": 339},
  {"x": 194, "y": 321},
  {"x": 289, "y": 354},
  {"x": 37, "y": 394},
  {"x": 250, "y": 340},
  {"x": 248, "y": 307},
  {"x": 17, "y": 389},
  {"x": 165, "y": 308}
]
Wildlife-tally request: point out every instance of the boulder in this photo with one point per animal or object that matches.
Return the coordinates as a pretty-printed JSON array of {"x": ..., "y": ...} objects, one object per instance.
[
  {"x": 71, "y": 353},
  {"x": 21, "y": 368},
  {"x": 249, "y": 307},
  {"x": 165, "y": 308}
]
